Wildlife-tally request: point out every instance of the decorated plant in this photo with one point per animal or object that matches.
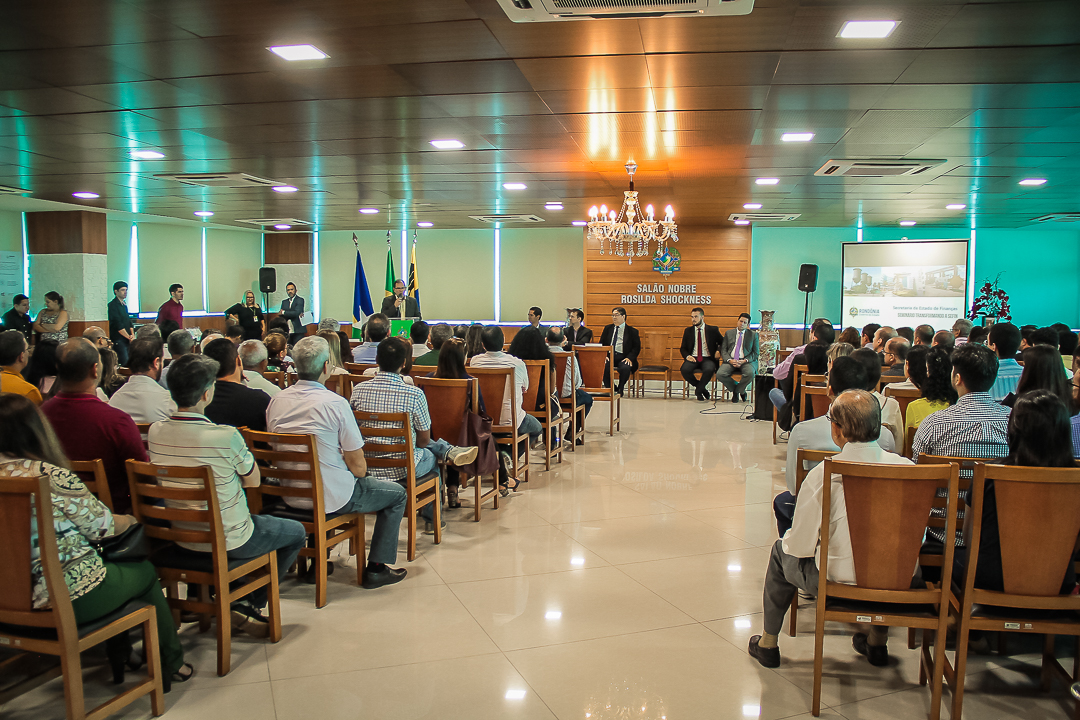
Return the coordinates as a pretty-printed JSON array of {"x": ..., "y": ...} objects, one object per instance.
[{"x": 991, "y": 302}]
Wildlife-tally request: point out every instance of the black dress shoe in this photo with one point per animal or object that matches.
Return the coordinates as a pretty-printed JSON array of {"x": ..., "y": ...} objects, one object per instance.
[
  {"x": 308, "y": 577},
  {"x": 878, "y": 655},
  {"x": 767, "y": 657},
  {"x": 705, "y": 393},
  {"x": 734, "y": 397},
  {"x": 388, "y": 576}
]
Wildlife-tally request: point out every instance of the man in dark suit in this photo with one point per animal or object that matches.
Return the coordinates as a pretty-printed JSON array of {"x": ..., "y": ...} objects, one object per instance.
[
  {"x": 739, "y": 352},
  {"x": 577, "y": 333},
  {"x": 392, "y": 304},
  {"x": 699, "y": 350},
  {"x": 292, "y": 308},
  {"x": 120, "y": 325},
  {"x": 627, "y": 344}
]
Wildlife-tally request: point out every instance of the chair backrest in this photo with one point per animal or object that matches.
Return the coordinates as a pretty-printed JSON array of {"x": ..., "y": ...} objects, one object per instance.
[
  {"x": 816, "y": 380},
  {"x": 1038, "y": 516},
  {"x": 347, "y": 382},
  {"x": 123, "y": 371},
  {"x": 288, "y": 464},
  {"x": 277, "y": 377},
  {"x": 92, "y": 474},
  {"x": 388, "y": 441},
  {"x": 358, "y": 368},
  {"x": 815, "y": 399},
  {"x": 804, "y": 456},
  {"x": 496, "y": 385},
  {"x": 797, "y": 372},
  {"x": 448, "y": 401},
  {"x": 909, "y": 440},
  {"x": 903, "y": 397},
  {"x": 887, "y": 509},
  {"x": 592, "y": 361},
  {"x": 144, "y": 431},
  {"x": 333, "y": 383},
  {"x": 537, "y": 374},
  {"x": 562, "y": 360},
  {"x": 655, "y": 347}
]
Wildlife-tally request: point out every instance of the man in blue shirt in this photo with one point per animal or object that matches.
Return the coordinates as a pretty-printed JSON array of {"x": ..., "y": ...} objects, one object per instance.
[{"x": 1004, "y": 339}]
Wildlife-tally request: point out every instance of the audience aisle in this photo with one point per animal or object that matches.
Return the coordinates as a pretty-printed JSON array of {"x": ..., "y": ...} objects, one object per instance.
[{"x": 630, "y": 576}]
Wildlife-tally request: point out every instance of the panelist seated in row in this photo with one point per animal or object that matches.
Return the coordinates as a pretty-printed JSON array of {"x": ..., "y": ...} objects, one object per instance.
[
  {"x": 739, "y": 354},
  {"x": 626, "y": 343},
  {"x": 700, "y": 350}
]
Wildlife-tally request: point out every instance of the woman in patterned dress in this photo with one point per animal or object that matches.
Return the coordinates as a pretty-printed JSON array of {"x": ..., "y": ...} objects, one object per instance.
[{"x": 52, "y": 321}]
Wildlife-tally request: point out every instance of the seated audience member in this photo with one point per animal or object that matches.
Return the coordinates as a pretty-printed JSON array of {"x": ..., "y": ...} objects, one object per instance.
[
  {"x": 529, "y": 344},
  {"x": 935, "y": 385},
  {"x": 280, "y": 325},
  {"x": 1039, "y": 435},
  {"x": 974, "y": 427},
  {"x": 493, "y": 356},
  {"x": 700, "y": 350},
  {"x": 142, "y": 397},
  {"x": 815, "y": 357},
  {"x": 439, "y": 335},
  {"x": 406, "y": 369},
  {"x": 739, "y": 351},
  {"x": 534, "y": 315},
  {"x": 1025, "y": 337},
  {"x": 96, "y": 335},
  {"x": 29, "y": 448},
  {"x": 855, "y": 425},
  {"x": 14, "y": 356},
  {"x": 40, "y": 370},
  {"x": 191, "y": 439},
  {"x": 1042, "y": 371},
  {"x": 474, "y": 341},
  {"x": 276, "y": 347},
  {"x": 179, "y": 343},
  {"x": 924, "y": 335},
  {"x": 235, "y": 334},
  {"x": 375, "y": 331},
  {"x": 460, "y": 331},
  {"x": 208, "y": 337},
  {"x": 896, "y": 352},
  {"x": 89, "y": 428},
  {"x": 883, "y": 335},
  {"x": 234, "y": 403},
  {"x": 837, "y": 350},
  {"x": 308, "y": 408},
  {"x": 851, "y": 337},
  {"x": 388, "y": 393},
  {"x": 815, "y": 434},
  {"x": 162, "y": 332},
  {"x": 945, "y": 339},
  {"x": 914, "y": 369},
  {"x": 419, "y": 333},
  {"x": 337, "y": 365},
  {"x": 572, "y": 380},
  {"x": 978, "y": 335},
  {"x": 890, "y": 408},
  {"x": 1004, "y": 339},
  {"x": 329, "y": 324},
  {"x": 1067, "y": 345},
  {"x": 960, "y": 330},
  {"x": 452, "y": 367},
  {"x": 253, "y": 357},
  {"x": 868, "y": 332},
  {"x": 110, "y": 380},
  {"x": 149, "y": 331},
  {"x": 625, "y": 342},
  {"x": 1075, "y": 422},
  {"x": 907, "y": 333},
  {"x": 822, "y": 333},
  {"x": 1044, "y": 336},
  {"x": 344, "y": 346}
]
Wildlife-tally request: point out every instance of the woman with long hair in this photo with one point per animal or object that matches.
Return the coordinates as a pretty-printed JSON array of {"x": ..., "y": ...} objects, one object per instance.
[
  {"x": 851, "y": 336},
  {"x": 1042, "y": 371},
  {"x": 40, "y": 371},
  {"x": 452, "y": 367},
  {"x": 838, "y": 349},
  {"x": 344, "y": 346},
  {"x": 110, "y": 380},
  {"x": 52, "y": 321},
  {"x": 474, "y": 344},
  {"x": 337, "y": 367},
  {"x": 249, "y": 316},
  {"x": 276, "y": 347},
  {"x": 28, "y": 449},
  {"x": 937, "y": 390}
]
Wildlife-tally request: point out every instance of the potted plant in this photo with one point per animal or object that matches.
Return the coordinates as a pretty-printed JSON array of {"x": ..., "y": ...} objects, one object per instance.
[{"x": 992, "y": 304}]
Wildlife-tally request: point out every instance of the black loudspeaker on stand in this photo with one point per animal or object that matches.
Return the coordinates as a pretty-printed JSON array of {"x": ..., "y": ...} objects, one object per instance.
[
  {"x": 267, "y": 282},
  {"x": 807, "y": 284}
]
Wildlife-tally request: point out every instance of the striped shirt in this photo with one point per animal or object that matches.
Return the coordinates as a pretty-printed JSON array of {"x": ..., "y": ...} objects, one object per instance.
[
  {"x": 1008, "y": 376},
  {"x": 189, "y": 440},
  {"x": 1076, "y": 435},
  {"x": 975, "y": 427},
  {"x": 388, "y": 393}
]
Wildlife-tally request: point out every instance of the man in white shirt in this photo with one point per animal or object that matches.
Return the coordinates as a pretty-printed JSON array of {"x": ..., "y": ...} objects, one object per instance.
[
  {"x": 891, "y": 417},
  {"x": 418, "y": 334},
  {"x": 141, "y": 396},
  {"x": 179, "y": 343},
  {"x": 375, "y": 331},
  {"x": 308, "y": 408},
  {"x": 493, "y": 339},
  {"x": 253, "y": 356},
  {"x": 855, "y": 418}
]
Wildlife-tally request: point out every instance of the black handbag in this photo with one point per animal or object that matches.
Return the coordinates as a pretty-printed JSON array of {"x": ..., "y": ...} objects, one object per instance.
[{"x": 131, "y": 545}]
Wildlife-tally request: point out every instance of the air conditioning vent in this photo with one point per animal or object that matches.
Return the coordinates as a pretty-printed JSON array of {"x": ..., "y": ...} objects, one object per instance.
[
  {"x": 270, "y": 222},
  {"x": 557, "y": 10},
  {"x": 875, "y": 168},
  {"x": 221, "y": 180},
  {"x": 1058, "y": 217},
  {"x": 765, "y": 217},
  {"x": 8, "y": 190},
  {"x": 508, "y": 218}
]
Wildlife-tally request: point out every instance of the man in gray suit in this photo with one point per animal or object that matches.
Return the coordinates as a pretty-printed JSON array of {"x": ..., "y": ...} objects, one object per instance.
[
  {"x": 739, "y": 352},
  {"x": 292, "y": 308}
]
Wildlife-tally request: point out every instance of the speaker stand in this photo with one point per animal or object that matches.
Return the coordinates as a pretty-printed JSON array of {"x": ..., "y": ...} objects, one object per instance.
[{"x": 805, "y": 317}]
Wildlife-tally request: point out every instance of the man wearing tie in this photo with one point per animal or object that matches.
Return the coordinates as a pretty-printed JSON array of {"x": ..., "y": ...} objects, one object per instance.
[
  {"x": 700, "y": 347},
  {"x": 627, "y": 344},
  {"x": 394, "y": 305},
  {"x": 739, "y": 352},
  {"x": 292, "y": 308},
  {"x": 577, "y": 333}
]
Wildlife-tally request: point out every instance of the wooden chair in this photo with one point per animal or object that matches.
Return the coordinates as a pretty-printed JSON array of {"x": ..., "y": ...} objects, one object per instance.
[
  {"x": 802, "y": 457},
  {"x": 887, "y": 507},
  {"x": 798, "y": 370},
  {"x": 347, "y": 382},
  {"x": 333, "y": 384},
  {"x": 551, "y": 419},
  {"x": 496, "y": 384},
  {"x": 123, "y": 371},
  {"x": 815, "y": 396},
  {"x": 797, "y": 385},
  {"x": 199, "y": 521},
  {"x": 291, "y": 470},
  {"x": 447, "y": 404},
  {"x": 1038, "y": 518},
  {"x": 92, "y": 474},
  {"x": 144, "y": 431},
  {"x": 909, "y": 440},
  {"x": 656, "y": 354},
  {"x": 389, "y": 444},
  {"x": 903, "y": 396},
  {"x": 358, "y": 368},
  {"x": 53, "y": 630},
  {"x": 713, "y": 384},
  {"x": 592, "y": 361},
  {"x": 563, "y": 362},
  {"x": 276, "y": 377}
]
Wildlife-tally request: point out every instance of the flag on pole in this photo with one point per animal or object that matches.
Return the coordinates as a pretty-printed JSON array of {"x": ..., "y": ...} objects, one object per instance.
[
  {"x": 414, "y": 279},
  {"x": 361, "y": 295},
  {"x": 390, "y": 275}
]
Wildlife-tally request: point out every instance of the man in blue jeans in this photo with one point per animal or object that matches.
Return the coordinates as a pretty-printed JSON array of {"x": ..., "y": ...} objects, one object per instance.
[
  {"x": 308, "y": 408},
  {"x": 388, "y": 392}
]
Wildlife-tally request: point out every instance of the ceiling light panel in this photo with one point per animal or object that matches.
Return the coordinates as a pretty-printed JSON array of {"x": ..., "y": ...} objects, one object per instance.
[
  {"x": 514, "y": 186},
  {"x": 872, "y": 29},
  {"x": 298, "y": 52},
  {"x": 768, "y": 181},
  {"x": 797, "y": 137},
  {"x": 146, "y": 155},
  {"x": 448, "y": 144}
]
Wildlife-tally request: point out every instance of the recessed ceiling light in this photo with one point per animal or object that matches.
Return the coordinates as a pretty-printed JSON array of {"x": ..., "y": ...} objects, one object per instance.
[
  {"x": 515, "y": 695},
  {"x": 553, "y": 615},
  {"x": 283, "y": 227},
  {"x": 907, "y": 223},
  {"x": 797, "y": 137},
  {"x": 448, "y": 144},
  {"x": 553, "y": 206},
  {"x": 752, "y": 206},
  {"x": 204, "y": 213},
  {"x": 298, "y": 52},
  {"x": 369, "y": 211},
  {"x": 147, "y": 155},
  {"x": 867, "y": 29},
  {"x": 1033, "y": 181},
  {"x": 284, "y": 188},
  {"x": 580, "y": 223},
  {"x": 85, "y": 195},
  {"x": 768, "y": 181},
  {"x": 955, "y": 206},
  {"x": 424, "y": 224},
  {"x": 514, "y": 186},
  {"x": 742, "y": 222}
]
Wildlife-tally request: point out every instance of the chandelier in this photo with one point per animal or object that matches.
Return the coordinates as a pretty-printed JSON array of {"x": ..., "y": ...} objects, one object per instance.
[{"x": 630, "y": 233}]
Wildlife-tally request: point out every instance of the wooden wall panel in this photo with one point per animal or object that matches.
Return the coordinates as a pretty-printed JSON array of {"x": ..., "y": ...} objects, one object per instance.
[
  {"x": 288, "y": 248},
  {"x": 57, "y": 232},
  {"x": 715, "y": 260}
]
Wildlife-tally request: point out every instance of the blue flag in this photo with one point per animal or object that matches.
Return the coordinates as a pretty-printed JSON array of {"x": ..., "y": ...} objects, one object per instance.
[{"x": 361, "y": 296}]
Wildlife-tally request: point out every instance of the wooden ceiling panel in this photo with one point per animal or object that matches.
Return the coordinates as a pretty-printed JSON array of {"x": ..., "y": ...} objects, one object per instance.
[
  {"x": 710, "y": 69},
  {"x": 996, "y": 65},
  {"x": 841, "y": 67},
  {"x": 1011, "y": 24},
  {"x": 430, "y": 42},
  {"x": 491, "y": 104},
  {"x": 577, "y": 73},
  {"x": 465, "y": 77}
]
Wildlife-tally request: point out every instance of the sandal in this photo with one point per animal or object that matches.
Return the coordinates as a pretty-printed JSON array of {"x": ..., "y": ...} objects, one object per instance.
[
  {"x": 511, "y": 484},
  {"x": 180, "y": 676}
]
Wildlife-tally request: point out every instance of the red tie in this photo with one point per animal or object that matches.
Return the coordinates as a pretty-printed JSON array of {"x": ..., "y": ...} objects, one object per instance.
[{"x": 699, "y": 344}]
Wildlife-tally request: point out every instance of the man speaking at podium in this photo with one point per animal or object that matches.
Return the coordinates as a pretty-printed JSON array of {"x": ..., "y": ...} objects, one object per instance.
[{"x": 392, "y": 305}]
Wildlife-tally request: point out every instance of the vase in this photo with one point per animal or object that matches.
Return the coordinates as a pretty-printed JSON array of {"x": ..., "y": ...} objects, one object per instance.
[{"x": 768, "y": 343}]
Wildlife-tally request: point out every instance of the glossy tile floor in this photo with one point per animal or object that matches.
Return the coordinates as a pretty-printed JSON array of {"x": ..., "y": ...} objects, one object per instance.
[{"x": 624, "y": 583}]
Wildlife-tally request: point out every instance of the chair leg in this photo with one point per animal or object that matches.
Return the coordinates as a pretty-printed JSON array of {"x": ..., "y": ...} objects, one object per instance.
[
  {"x": 960, "y": 663},
  {"x": 273, "y": 599},
  {"x": 71, "y": 669},
  {"x": 819, "y": 650},
  {"x": 1046, "y": 674},
  {"x": 359, "y": 534},
  {"x": 410, "y": 511},
  {"x": 224, "y": 631},
  {"x": 321, "y": 575},
  {"x": 911, "y": 638},
  {"x": 793, "y": 616},
  {"x": 478, "y": 490},
  {"x": 152, "y": 651},
  {"x": 437, "y": 502},
  {"x": 937, "y": 680}
]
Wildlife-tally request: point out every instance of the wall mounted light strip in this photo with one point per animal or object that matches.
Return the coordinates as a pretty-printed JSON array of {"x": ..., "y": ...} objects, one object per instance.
[
  {"x": 25, "y": 259},
  {"x": 205, "y": 285},
  {"x": 133, "y": 271},
  {"x": 498, "y": 274},
  {"x": 316, "y": 280}
]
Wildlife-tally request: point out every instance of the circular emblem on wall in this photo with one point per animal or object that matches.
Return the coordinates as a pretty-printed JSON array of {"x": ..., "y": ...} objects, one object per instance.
[
  {"x": 667, "y": 262},
  {"x": 853, "y": 311}
]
